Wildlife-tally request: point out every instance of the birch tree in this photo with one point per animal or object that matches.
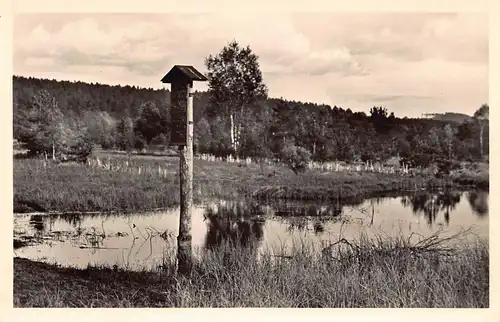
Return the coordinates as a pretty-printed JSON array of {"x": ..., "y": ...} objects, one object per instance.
[
  {"x": 448, "y": 137},
  {"x": 482, "y": 115},
  {"x": 235, "y": 82}
]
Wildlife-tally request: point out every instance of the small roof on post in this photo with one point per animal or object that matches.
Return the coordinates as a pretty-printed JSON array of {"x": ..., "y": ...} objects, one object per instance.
[{"x": 183, "y": 74}]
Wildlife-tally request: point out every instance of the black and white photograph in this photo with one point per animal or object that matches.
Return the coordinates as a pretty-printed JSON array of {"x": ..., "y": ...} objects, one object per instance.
[{"x": 251, "y": 159}]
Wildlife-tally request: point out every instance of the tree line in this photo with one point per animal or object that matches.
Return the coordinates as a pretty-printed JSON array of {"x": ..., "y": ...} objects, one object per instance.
[{"x": 235, "y": 116}]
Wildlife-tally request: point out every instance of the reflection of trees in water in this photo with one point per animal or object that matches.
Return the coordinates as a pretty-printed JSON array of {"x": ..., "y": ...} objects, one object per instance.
[
  {"x": 431, "y": 204},
  {"x": 318, "y": 227},
  {"x": 235, "y": 223},
  {"x": 228, "y": 216},
  {"x": 301, "y": 217},
  {"x": 310, "y": 210},
  {"x": 75, "y": 220},
  {"x": 296, "y": 223},
  {"x": 42, "y": 224},
  {"x": 37, "y": 222},
  {"x": 303, "y": 223},
  {"x": 478, "y": 201}
]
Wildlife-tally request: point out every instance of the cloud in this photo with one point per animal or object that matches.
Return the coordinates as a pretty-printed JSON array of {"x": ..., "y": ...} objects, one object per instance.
[
  {"x": 84, "y": 42},
  {"x": 39, "y": 62},
  {"x": 373, "y": 98},
  {"x": 338, "y": 60},
  {"x": 402, "y": 36},
  {"x": 355, "y": 59},
  {"x": 141, "y": 44}
]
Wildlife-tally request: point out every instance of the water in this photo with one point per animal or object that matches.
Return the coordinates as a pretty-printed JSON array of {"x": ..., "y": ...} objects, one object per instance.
[{"x": 140, "y": 241}]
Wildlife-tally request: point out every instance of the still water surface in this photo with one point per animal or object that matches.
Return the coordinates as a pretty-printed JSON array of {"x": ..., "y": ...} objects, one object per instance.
[{"x": 137, "y": 241}]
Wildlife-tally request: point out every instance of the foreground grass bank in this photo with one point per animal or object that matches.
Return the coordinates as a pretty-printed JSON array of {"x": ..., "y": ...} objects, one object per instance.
[
  {"x": 152, "y": 182},
  {"x": 380, "y": 273}
]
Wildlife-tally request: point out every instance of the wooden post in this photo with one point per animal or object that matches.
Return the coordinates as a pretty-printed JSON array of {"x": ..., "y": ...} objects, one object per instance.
[
  {"x": 184, "y": 247},
  {"x": 181, "y": 115}
]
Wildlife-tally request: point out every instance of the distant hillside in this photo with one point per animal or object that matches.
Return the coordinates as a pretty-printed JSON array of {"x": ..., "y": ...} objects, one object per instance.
[
  {"x": 117, "y": 116},
  {"x": 451, "y": 117}
]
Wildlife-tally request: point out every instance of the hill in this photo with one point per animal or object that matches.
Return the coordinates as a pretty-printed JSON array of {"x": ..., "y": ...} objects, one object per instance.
[
  {"x": 124, "y": 116},
  {"x": 452, "y": 117}
]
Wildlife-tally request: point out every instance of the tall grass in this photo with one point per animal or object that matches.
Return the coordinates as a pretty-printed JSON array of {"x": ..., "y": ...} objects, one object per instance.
[
  {"x": 47, "y": 186},
  {"x": 381, "y": 272},
  {"x": 116, "y": 182}
]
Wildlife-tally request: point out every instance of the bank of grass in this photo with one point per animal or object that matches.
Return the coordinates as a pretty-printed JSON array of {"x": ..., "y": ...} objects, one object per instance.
[
  {"x": 78, "y": 187},
  {"x": 472, "y": 174},
  {"x": 45, "y": 186},
  {"x": 386, "y": 272}
]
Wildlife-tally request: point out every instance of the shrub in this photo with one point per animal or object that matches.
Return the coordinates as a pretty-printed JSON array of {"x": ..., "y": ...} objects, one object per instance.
[{"x": 296, "y": 158}]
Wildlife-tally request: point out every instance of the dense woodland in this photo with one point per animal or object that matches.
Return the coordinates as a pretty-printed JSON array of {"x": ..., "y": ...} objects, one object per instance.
[{"x": 124, "y": 117}]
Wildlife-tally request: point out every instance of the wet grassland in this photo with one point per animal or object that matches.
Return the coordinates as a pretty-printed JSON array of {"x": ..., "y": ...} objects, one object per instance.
[{"x": 385, "y": 271}]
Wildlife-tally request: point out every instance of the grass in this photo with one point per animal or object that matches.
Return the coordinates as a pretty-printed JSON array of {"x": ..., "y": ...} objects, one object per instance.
[
  {"x": 382, "y": 272},
  {"x": 45, "y": 186},
  {"x": 474, "y": 174}
]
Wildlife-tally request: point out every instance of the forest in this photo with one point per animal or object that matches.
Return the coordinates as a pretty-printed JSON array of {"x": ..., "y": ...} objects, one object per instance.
[
  {"x": 125, "y": 117},
  {"x": 236, "y": 117}
]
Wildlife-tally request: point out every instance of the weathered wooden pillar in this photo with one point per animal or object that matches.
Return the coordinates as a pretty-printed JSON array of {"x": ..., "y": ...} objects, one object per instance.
[
  {"x": 186, "y": 198},
  {"x": 181, "y": 114}
]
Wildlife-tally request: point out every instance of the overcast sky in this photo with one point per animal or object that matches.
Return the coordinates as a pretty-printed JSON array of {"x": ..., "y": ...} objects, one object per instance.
[{"x": 410, "y": 63}]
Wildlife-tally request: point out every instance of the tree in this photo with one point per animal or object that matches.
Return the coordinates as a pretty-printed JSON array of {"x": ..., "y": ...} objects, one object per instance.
[
  {"x": 482, "y": 116},
  {"x": 221, "y": 142},
  {"x": 295, "y": 157},
  {"x": 448, "y": 140},
  {"x": 44, "y": 119},
  {"x": 76, "y": 144},
  {"x": 381, "y": 120},
  {"x": 46, "y": 131},
  {"x": 283, "y": 125},
  {"x": 152, "y": 121},
  {"x": 125, "y": 130},
  {"x": 160, "y": 141},
  {"x": 101, "y": 128},
  {"x": 466, "y": 140},
  {"x": 202, "y": 136},
  {"x": 254, "y": 140},
  {"x": 235, "y": 81}
]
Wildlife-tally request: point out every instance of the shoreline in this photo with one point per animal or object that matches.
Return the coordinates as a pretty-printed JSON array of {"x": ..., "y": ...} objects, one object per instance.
[
  {"x": 40, "y": 187},
  {"x": 264, "y": 199}
]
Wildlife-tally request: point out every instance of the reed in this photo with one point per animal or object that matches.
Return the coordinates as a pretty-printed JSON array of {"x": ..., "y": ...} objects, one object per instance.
[{"x": 366, "y": 272}]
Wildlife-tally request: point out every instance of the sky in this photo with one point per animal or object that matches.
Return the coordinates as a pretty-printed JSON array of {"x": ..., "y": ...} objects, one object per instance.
[{"x": 411, "y": 63}]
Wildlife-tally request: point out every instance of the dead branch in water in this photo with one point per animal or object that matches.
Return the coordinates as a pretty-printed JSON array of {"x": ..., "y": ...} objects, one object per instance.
[{"x": 433, "y": 244}]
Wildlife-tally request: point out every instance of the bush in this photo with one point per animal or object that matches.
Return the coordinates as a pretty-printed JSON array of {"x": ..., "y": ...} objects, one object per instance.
[
  {"x": 79, "y": 152},
  {"x": 160, "y": 139},
  {"x": 139, "y": 142},
  {"x": 444, "y": 167},
  {"x": 296, "y": 158}
]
